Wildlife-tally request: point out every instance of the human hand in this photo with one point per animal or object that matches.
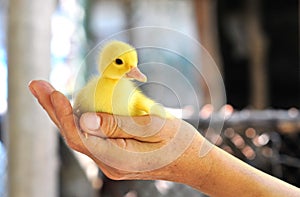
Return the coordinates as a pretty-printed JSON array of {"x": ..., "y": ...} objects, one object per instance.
[{"x": 124, "y": 147}]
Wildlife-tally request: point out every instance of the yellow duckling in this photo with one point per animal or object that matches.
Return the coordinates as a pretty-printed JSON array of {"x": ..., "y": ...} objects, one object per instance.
[{"x": 113, "y": 91}]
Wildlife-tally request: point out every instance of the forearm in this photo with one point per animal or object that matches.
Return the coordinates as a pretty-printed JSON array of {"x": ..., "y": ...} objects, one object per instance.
[{"x": 220, "y": 174}]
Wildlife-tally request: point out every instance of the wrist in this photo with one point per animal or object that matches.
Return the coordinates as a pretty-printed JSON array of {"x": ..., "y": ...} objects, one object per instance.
[{"x": 191, "y": 168}]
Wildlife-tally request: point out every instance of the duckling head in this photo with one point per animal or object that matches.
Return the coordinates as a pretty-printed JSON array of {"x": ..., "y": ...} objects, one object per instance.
[{"x": 118, "y": 60}]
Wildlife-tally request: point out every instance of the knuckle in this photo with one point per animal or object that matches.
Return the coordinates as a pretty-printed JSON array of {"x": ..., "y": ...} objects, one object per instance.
[
  {"x": 110, "y": 126},
  {"x": 73, "y": 144}
]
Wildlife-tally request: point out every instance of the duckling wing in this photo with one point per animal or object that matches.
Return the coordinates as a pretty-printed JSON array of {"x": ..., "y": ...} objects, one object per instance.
[{"x": 144, "y": 105}]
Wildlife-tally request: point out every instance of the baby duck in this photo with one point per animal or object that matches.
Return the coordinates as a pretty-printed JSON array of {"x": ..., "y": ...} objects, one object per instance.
[{"x": 114, "y": 91}]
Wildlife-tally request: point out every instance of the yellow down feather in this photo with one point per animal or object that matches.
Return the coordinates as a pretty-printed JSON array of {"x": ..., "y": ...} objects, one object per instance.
[{"x": 113, "y": 91}]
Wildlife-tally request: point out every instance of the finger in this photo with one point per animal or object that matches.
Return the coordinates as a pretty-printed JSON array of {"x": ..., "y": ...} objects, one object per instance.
[
  {"x": 66, "y": 119},
  {"x": 101, "y": 125},
  {"x": 143, "y": 128},
  {"x": 42, "y": 90}
]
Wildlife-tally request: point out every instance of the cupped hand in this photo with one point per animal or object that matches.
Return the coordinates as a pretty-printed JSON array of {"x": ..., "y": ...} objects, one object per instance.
[{"x": 145, "y": 147}]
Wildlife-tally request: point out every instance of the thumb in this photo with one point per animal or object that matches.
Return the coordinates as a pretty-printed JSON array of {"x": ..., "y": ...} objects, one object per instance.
[
  {"x": 102, "y": 125},
  {"x": 111, "y": 126}
]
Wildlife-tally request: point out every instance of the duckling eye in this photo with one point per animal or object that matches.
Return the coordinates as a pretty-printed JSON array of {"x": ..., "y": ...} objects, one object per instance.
[{"x": 118, "y": 61}]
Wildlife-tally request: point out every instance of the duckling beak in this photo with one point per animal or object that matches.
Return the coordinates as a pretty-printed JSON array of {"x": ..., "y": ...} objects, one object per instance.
[{"x": 136, "y": 74}]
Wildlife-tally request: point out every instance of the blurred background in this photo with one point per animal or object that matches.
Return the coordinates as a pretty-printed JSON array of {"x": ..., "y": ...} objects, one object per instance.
[{"x": 254, "y": 44}]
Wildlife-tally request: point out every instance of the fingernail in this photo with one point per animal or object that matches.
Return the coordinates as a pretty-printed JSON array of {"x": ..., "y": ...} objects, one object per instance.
[
  {"x": 32, "y": 90},
  {"x": 91, "y": 121}
]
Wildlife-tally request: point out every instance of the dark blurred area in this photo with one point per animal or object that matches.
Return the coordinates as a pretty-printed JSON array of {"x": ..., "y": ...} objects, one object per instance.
[{"x": 279, "y": 23}]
